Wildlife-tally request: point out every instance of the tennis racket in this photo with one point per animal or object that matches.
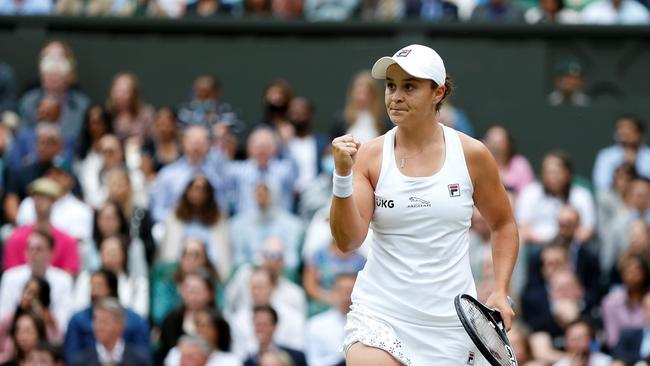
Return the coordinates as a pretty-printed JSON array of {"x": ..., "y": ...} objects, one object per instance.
[{"x": 486, "y": 329}]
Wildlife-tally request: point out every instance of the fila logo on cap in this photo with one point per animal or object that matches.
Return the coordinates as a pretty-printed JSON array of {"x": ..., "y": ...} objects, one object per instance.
[
  {"x": 454, "y": 190},
  {"x": 403, "y": 53}
]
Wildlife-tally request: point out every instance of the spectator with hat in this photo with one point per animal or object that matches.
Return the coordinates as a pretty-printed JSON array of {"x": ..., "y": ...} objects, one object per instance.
[{"x": 568, "y": 86}]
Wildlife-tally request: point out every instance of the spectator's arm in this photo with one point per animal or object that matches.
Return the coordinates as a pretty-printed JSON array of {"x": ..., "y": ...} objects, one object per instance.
[{"x": 11, "y": 204}]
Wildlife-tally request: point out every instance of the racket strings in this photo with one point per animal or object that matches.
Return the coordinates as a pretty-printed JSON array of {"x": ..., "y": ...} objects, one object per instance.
[{"x": 486, "y": 331}]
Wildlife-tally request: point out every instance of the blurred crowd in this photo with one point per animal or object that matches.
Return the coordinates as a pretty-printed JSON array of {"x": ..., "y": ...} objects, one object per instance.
[
  {"x": 602, "y": 12},
  {"x": 182, "y": 235}
]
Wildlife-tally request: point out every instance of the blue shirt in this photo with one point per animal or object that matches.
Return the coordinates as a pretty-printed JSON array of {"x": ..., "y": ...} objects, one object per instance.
[
  {"x": 610, "y": 158},
  {"x": 26, "y": 7}
]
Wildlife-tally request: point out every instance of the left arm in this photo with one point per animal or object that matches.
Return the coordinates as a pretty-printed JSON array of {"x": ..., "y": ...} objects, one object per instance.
[{"x": 492, "y": 201}]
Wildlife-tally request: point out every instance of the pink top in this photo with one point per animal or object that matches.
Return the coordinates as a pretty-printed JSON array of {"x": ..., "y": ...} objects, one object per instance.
[
  {"x": 65, "y": 256},
  {"x": 618, "y": 315},
  {"x": 519, "y": 174}
]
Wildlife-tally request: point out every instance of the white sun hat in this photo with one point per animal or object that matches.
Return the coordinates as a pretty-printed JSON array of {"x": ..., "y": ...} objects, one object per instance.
[{"x": 417, "y": 60}]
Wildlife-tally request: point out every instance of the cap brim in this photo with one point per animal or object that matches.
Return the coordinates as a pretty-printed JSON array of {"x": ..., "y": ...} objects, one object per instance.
[{"x": 381, "y": 65}]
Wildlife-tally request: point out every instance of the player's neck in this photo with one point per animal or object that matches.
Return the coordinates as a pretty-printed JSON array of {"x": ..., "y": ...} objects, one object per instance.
[{"x": 417, "y": 138}]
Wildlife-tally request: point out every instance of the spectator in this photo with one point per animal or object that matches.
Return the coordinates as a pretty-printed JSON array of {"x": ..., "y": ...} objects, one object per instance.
[
  {"x": 246, "y": 337},
  {"x": 164, "y": 146},
  {"x": 93, "y": 180},
  {"x": 58, "y": 74},
  {"x": 609, "y": 202},
  {"x": 552, "y": 12},
  {"x": 198, "y": 214},
  {"x": 109, "y": 319},
  {"x": 276, "y": 357},
  {"x": 498, "y": 11},
  {"x": 568, "y": 84},
  {"x": 630, "y": 148},
  {"x": 538, "y": 205},
  {"x": 27, "y": 331},
  {"x": 80, "y": 335},
  {"x": 206, "y": 106},
  {"x": 275, "y": 99},
  {"x": 173, "y": 179},
  {"x": 328, "y": 10},
  {"x": 306, "y": 147},
  {"x": 29, "y": 7},
  {"x": 324, "y": 334},
  {"x": 132, "y": 118},
  {"x": 285, "y": 293},
  {"x": 39, "y": 253},
  {"x": 214, "y": 330},
  {"x": 266, "y": 321},
  {"x": 263, "y": 165},
  {"x": 166, "y": 278},
  {"x": 622, "y": 307},
  {"x": 318, "y": 193},
  {"x": 455, "y": 118},
  {"x": 432, "y": 10},
  {"x": 520, "y": 340},
  {"x": 133, "y": 288},
  {"x": 257, "y": 8},
  {"x": 268, "y": 221},
  {"x": 363, "y": 115},
  {"x": 96, "y": 125},
  {"x": 515, "y": 170},
  {"x": 48, "y": 148},
  {"x": 44, "y": 354},
  {"x": 579, "y": 336},
  {"x": 35, "y": 299},
  {"x": 44, "y": 192},
  {"x": 613, "y": 12},
  {"x": 633, "y": 343},
  {"x": 198, "y": 292},
  {"x": 69, "y": 213},
  {"x": 194, "y": 351},
  {"x": 287, "y": 9},
  {"x": 7, "y": 88}
]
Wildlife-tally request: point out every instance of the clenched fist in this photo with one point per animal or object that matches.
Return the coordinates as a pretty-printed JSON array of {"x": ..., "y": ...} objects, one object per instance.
[{"x": 344, "y": 149}]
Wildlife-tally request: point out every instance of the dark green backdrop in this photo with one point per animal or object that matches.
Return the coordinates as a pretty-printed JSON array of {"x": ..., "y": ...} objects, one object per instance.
[{"x": 502, "y": 73}]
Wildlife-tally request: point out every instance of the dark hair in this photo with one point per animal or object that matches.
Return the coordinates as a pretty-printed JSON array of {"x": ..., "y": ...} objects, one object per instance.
[
  {"x": 84, "y": 136},
  {"x": 624, "y": 262},
  {"x": 45, "y": 234},
  {"x": 565, "y": 160},
  {"x": 267, "y": 309},
  {"x": 98, "y": 237},
  {"x": 43, "y": 290},
  {"x": 512, "y": 148},
  {"x": 124, "y": 247},
  {"x": 449, "y": 88},
  {"x": 207, "y": 267},
  {"x": 224, "y": 338},
  {"x": 637, "y": 121},
  {"x": 111, "y": 280},
  {"x": 207, "y": 213},
  {"x": 583, "y": 321},
  {"x": 54, "y": 351},
  {"x": 40, "y": 331}
]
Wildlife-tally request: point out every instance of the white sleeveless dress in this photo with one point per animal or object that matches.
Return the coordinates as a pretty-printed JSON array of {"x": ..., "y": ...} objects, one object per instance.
[{"x": 403, "y": 300}]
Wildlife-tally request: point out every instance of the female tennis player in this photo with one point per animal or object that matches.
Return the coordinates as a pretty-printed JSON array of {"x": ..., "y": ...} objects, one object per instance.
[{"x": 416, "y": 186}]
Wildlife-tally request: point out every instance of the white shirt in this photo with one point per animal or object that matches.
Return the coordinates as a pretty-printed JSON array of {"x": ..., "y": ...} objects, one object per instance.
[
  {"x": 324, "y": 338},
  {"x": 535, "y": 208},
  {"x": 595, "y": 359},
  {"x": 630, "y": 12},
  {"x": 68, "y": 214},
  {"x": 304, "y": 152},
  {"x": 217, "y": 358},
  {"x": 133, "y": 292},
  {"x": 14, "y": 280},
  {"x": 364, "y": 128},
  {"x": 110, "y": 358}
]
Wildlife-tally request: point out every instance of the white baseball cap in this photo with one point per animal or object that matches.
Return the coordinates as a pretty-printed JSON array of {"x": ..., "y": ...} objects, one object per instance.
[{"x": 417, "y": 60}]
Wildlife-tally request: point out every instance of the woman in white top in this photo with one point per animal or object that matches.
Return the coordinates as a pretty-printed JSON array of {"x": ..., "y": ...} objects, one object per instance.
[
  {"x": 416, "y": 187},
  {"x": 363, "y": 116}
]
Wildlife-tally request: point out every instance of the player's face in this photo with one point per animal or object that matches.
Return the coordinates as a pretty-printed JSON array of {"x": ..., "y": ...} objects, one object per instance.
[{"x": 409, "y": 98}]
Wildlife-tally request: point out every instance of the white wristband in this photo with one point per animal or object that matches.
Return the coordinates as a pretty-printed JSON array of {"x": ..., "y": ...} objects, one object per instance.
[{"x": 342, "y": 186}]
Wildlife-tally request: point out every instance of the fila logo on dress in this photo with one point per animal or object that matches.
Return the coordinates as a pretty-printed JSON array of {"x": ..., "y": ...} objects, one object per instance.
[
  {"x": 454, "y": 190},
  {"x": 470, "y": 358}
]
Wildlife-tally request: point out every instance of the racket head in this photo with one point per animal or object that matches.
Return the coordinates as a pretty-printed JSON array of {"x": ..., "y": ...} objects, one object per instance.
[{"x": 461, "y": 302}]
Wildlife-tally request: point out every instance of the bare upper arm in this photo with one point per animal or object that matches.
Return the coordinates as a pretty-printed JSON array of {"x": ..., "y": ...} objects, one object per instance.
[{"x": 366, "y": 173}]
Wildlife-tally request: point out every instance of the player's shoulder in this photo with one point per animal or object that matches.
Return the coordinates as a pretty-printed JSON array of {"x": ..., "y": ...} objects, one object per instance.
[
  {"x": 473, "y": 148},
  {"x": 372, "y": 147}
]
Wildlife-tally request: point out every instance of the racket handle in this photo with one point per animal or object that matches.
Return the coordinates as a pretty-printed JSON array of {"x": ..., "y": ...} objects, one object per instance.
[{"x": 511, "y": 302}]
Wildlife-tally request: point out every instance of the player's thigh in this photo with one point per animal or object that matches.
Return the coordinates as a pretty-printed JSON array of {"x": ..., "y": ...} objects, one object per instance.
[{"x": 361, "y": 355}]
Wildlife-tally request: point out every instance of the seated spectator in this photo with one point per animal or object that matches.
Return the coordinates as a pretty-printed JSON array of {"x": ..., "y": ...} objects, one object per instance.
[
  {"x": 290, "y": 325},
  {"x": 318, "y": 193},
  {"x": 198, "y": 292},
  {"x": 454, "y": 117},
  {"x": 498, "y": 11},
  {"x": 616, "y": 12},
  {"x": 519, "y": 339},
  {"x": 285, "y": 293},
  {"x": 35, "y": 299},
  {"x": 215, "y": 331},
  {"x": 276, "y": 357},
  {"x": 193, "y": 350},
  {"x": 609, "y": 201},
  {"x": 93, "y": 182},
  {"x": 363, "y": 114},
  {"x": 321, "y": 271},
  {"x": 58, "y": 74},
  {"x": 197, "y": 158},
  {"x": 324, "y": 335},
  {"x": 109, "y": 319},
  {"x": 538, "y": 204},
  {"x": 579, "y": 336},
  {"x": 263, "y": 165},
  {"x": 132, "y": 118},
  {"x": 7, "y": 88},
  {"x": 632, "y": 344},
  {"x": 629, "y": 147},
  {"x": 515, "y": 170},
  {"x": 39, "y": 250},
  {"x": 96, "y": 125},
  {"x": 45, "y": 354},
  {"x": 80, "y": 335},
  {"x": 198, "y": 214},
  {"x": 206, "y": 107},
  {"x": 163, "y": 147},
  {"x": 432, "y": 10},
  {"x": 69, "y": 213},
  {"x": 257, "y": 8},
  {"x": 568, "y": 84},
  {"x": 167, "y": 278},
  {"x": 275, "y": 103},
  {"x": 551, "y": 12},
  {"x": 287, "y": 9},
  {"x": 27, "y": 331},
  {"x": 622, "y": 307},
  {"x": 133, "y": 288}
]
